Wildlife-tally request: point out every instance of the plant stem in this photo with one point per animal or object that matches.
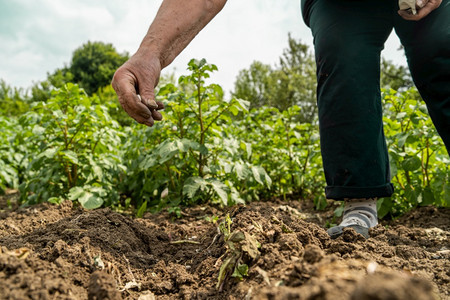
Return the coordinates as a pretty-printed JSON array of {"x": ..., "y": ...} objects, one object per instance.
[
  {"x": 202, "y": 132},
  {"x": 77, "y": 130},
  {"x": 427, "y": 178},
  {"x": 170, "y": 176},
  {"x": 216, "y": 117},
  {"x": 74, "y": 175}
]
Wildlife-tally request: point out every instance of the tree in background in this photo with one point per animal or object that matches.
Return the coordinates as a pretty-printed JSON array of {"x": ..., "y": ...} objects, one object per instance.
[
  {"x": 93, "y": 65},
  {"x": 13, "y": 101},
  {"x": 293, "y": 81},
  {"x": 92, "y": 68},
  {"x": 254, "y": 83},
  {"x": 395, "y": 77}
]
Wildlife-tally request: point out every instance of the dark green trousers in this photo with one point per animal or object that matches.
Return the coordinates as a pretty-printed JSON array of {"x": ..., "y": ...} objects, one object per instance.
[{"x": 348, "y": 38}]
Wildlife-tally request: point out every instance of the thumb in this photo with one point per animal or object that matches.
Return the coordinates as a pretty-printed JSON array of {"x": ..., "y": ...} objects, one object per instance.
[{"x": 148, "y": 98}]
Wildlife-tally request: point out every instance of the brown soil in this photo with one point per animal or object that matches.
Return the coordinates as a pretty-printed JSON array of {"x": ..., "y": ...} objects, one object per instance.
[{"x": 58, "y": 252}]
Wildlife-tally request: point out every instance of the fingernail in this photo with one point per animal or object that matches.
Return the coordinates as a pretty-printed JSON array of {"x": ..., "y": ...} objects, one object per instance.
[
  {"x": 149, "y": 123},
  {"x": 152, "y": 104}
]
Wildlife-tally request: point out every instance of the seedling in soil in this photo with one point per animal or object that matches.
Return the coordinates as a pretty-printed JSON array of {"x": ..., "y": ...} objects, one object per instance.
[
  {"x": 212, "y": 219},
  {"x": 242, "y": 249},
  {"x": 175, "y": 211},
  {"x": 225, "y": 227}
]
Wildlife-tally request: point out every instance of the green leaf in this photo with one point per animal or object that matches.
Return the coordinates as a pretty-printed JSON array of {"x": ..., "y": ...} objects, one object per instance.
[
  {"x": 401, "y": 115},
  {"x": 221, "y": 190},
  {"x": 98, "y": 171},
  {"x": 427, "y": 197},
  {"x": 38, "y": 130},
  {"x": 338, "y": 211},
  {"x": 412, "y": 195},
  {"x": 55, "y": 200},
  {"x": 191, "y": 186},
  {"x": 184, "y": 145},
  {"x": 49, "y": 153},
  {"x": 234, "y": 110},
  {"x": 71, "y": 156},
  {"x": 384, "y": 206},
  {"x": 241, "y": 170},
  {"x": 90, "y": 201},
  {"x": 411, "y": 163},
  {"x": 261, "y": 176},
  {"x": 244, "y": 104},
  {"x": 75, "y": 193},
  {"x": 141, "y": 210},
  {"x": 402, "y": 138},
  {"x": 257, "y": 175},
  {"x": 166, "y": 150},
  {"x": 240, "y": 271},
  {"x": 99, "y": 191}
]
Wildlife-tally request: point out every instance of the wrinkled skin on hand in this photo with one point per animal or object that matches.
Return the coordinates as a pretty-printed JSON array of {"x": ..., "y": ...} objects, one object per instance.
[
  {"x": 427, "y": 7},
  {"x": 134, "y": 83}
]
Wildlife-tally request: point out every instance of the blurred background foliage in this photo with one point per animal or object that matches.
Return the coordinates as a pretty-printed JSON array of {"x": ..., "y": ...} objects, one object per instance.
[{"x": 67, "y": 138}]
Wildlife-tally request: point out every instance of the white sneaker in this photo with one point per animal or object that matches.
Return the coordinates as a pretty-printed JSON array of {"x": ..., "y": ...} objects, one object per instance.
[{"x": 359, "y": 214}]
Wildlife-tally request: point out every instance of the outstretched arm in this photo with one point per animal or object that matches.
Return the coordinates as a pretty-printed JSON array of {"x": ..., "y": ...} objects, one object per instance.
[{"x": 175, "y": 25}]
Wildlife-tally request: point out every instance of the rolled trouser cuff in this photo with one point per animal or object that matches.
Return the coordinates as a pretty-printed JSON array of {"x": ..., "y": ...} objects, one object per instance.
[{"x": 342, "y": 192}]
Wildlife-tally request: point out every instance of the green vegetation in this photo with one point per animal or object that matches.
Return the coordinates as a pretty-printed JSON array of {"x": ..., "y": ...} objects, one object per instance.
[
  {"x": 420, "y": 166},
  {"x": 72, "y": 150},
  {"x": 292, "y": 82},
  {"x": 63, "y": 143},
  {"x": 94, "y": 64}
]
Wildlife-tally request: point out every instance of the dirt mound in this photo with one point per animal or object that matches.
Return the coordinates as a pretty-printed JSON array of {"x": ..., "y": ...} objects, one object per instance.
[{"x": 266, "y": 250}]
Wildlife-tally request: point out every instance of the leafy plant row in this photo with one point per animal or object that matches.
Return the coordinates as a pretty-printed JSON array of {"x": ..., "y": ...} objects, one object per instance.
[{"x": 207, "y": 149}]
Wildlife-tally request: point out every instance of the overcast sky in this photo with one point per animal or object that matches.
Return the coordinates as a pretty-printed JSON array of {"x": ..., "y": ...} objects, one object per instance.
[{"x": 39, "y": 36}]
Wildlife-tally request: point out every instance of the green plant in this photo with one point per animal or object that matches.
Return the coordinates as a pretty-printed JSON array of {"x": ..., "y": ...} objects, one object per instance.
[
  {"x": 242, "y": 249},
  {"x": 287, "y": 149},
  {"x": 189, "y": 153},
  {"x": 420, "y": 167},
  {"x": 73, "y": 150},
  {"x": 225, "y": 227},
  {"x": 208, "y": 149},
  {"x": 11, "y": 154}
]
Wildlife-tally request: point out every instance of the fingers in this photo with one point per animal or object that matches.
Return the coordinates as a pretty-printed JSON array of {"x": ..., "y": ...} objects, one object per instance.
[
  {"x": 123, "y": 83},
  {"x": 134, "y": 84},
  {"x": 156, "y": 115},
  {"x": 160, "y": 105},
  {"x": 422, "y": 12},
  {"x": 150, "y": 103},
  {"x": 154, "y": 106},
  {"x": 144, "y": 111}
]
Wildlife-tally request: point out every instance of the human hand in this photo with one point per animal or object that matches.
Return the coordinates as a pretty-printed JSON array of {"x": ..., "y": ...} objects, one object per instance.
[
  {"x": 422, "y": 12},
  {"x": 134, "y": 83}
]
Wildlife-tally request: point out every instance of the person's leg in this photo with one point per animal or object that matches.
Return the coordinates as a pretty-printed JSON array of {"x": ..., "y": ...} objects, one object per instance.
[
  {"x": 348, "y": 38},
  {"x": 427, "y": 48}
]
